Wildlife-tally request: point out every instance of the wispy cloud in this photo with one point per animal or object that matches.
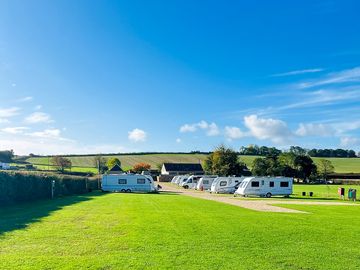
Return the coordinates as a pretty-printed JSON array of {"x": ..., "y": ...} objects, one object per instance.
[
  {"x": 14, "y": 130},
  {"x": 25, "y": 99},
  {"x": 9, "y": 112},
  {"x": 38, "y": 117},
  {"x": 297, "y": 72},
  {"x": 347, "y": 75}
]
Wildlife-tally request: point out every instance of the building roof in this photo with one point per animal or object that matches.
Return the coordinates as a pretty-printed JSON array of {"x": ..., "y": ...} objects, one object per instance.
[
  {"x": 183, "y": 167},
  {"x": 116, "y": 168}
]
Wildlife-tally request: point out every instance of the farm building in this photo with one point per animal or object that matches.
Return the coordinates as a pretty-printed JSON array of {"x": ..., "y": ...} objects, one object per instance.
[{"x": 181, "y": 168}]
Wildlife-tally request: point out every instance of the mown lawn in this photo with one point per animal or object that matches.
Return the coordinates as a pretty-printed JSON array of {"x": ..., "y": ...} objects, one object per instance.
[{"x": 167, "y": 231}]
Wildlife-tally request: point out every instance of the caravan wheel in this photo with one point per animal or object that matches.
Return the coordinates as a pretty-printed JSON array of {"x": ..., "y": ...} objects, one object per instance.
[
  {"x": 268, "y": 195},
  {"x": 128, "y": 190},
  {"x": 123, "y": 190}
]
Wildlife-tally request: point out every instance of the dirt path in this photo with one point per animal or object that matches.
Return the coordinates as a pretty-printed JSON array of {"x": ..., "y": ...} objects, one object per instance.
[{"x": 257, "y": 205}]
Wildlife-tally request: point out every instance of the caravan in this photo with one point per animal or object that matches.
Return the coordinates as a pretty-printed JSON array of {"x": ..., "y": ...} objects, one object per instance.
[
  {"x": 181, "y": 179},
  {"x": 205, "y": 182},
  {"x": 225, "y": 184},
  {"x": 191, "y": 182},
  {"x": 128, "y": 183},
  {"x": 173, "y": 180},
  {"x": 265, "y": 186}
]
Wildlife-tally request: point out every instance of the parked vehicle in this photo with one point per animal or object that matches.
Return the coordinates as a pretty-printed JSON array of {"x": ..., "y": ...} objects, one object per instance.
[
  {"x": 181, "y": 179},
  {"x": 226, "y": 184},
  {"x": 205, "y": 182},
  {"x": 128, "y": 183},
  {"x": 265, "y": 186},
  {"x": 173, "y": 180},
  {"x": 191, "y": 181}
]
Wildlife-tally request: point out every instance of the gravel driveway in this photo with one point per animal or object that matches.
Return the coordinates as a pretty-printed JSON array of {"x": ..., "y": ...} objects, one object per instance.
[{"x": 257, "y": 205}]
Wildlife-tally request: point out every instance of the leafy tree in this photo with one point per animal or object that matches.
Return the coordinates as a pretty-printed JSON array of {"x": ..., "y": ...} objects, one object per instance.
[
  {"x": 139, "y": 167},
  {"x": 325, "y": 168},
  {"x": 100, "y": 163},
  {"x": 297, "y": 150},
  {"x": 259, "y": 167},
  {"x": 61, "y": 163},
  {"x": 112, "y": 162},
  {"x": 6, "y": 156},
  {"x": 305, "y": 166},
  {"x": 224, "y": 161}
]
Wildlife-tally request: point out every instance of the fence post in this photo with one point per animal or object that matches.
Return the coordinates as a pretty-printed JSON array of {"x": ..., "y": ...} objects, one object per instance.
[{"x": 52, "y": 189}]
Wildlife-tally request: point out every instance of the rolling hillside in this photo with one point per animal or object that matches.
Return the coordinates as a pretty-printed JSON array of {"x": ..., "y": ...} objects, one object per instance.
[{"x": 342, "y": 165}]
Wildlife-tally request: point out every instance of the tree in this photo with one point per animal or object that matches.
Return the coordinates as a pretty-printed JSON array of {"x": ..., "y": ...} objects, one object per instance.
[
  {"x": 6, "y": 156},
  {"x": 259, "y": 167},
  {"x": 325, "y": 168},
  {"x": 224, "y": 161},
  {"x": 139, "y": 167},
  {"x": 112, "y": 162},
  {"x": 305, "y": 166},
  {"x": 99, "y": 162},
  {"x": 297, "y": 150},
  {"x": 61, "y": 163}
]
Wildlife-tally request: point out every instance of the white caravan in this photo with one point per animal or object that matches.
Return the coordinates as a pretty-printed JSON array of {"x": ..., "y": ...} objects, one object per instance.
[
  {"x": 265, "y": 186},
  {"x": 128, "y": 183},
  {"x": 225, "y": 184},
  {"x": 181, "y": 179},
  {"x": 173, "y": 180},
  {"x": 191, "y": 181},
  {"x": 205, "y": 182}
]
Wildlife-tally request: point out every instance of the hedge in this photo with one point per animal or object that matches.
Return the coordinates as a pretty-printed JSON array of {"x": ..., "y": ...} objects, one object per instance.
[{"x": 23, "y": 187}]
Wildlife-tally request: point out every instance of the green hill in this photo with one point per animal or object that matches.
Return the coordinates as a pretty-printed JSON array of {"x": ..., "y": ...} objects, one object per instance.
[{"x": 86, "y": 163}]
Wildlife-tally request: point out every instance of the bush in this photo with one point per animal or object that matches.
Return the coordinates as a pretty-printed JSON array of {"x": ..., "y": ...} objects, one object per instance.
[{"x": 22, "y": 187}]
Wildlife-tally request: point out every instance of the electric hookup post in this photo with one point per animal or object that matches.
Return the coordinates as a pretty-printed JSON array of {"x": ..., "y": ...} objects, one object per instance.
[
  {"x": 52, "y": 189},
  {"x": 352, "y": 194},
  {"x": 341, "y": 192}
]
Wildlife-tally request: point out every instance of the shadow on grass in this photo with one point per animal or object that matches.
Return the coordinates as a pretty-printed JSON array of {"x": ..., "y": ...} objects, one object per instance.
[{"x": 21, "y": 215}]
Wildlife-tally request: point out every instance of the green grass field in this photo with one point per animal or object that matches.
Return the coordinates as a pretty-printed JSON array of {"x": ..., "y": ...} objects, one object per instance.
[
  {"x": 169, "y": 231},
  {"x": 342, "y": 165}
]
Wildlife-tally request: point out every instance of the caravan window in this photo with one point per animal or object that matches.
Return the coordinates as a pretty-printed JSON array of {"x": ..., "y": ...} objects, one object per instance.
[
  {"x": 255, "y": 184},
  {"x": 122, "y": 181},
  {"x": 271, "y": 184},
  {"x": 223, "y": 183},
  {"x": 284, "y": 184},
  {"x": 141, "y": 181},
  {"x": 262, "y": 182},
  {"x": 205, "y": 182}
]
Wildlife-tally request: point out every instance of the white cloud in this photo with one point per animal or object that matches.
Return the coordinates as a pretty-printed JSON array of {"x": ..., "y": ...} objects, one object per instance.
[
  {"x": 233, "y": 133},
  {"x": 137, "y": 135},
  {"x": 315, "y": 130},
  {"x": 348, "y": 75},
  {"x": 14, "y": 130},
  {"x": 188, "y": 128},
  {"x": 38, "y": 117},
  {"x": 9, "y": 112},
  {"x": 268, "y": 128},
  {"x": 211, "y": 129},
  {"x": 4, "y": 121},
  {"x": 47, "y": 133},
  {"x": 25, "y": 99},
  {"x": 178, "y": 140},
  {"x": 38, "y": 107},
  {"x": 349, "y": 141},
  {"x": 297, "y": 72},
  {"x": 13, "y": 84}
]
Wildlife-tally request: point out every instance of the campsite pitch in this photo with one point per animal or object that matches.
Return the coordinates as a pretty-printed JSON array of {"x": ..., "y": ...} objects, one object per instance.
[{"x": 170, "y": 231}]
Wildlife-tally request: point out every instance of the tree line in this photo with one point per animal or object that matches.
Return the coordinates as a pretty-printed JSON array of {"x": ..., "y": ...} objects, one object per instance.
[
  {"x": 255, "y": 150},
  {"x": 296, "y": 163}
]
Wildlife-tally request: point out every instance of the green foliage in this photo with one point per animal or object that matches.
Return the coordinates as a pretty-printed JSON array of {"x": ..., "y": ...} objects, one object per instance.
[
  {"x": 112, "y": 162},
  {"x": 305, "y": 166},
  {"x": 224, "y": 161},
  {"x": 6, "y": 156},
  {"x": 99, "y": 162},
  {"x": 61, "y": 163},
  {"x": 21, "y": 187},
  {"x": 325, "y": 168}
]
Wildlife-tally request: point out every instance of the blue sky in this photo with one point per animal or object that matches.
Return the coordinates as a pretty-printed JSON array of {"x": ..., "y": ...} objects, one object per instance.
[{"x": 120, "y": 76}]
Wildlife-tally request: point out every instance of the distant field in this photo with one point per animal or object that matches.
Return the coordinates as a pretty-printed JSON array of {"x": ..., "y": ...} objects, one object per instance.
[{"x": 86, "y": 163}]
